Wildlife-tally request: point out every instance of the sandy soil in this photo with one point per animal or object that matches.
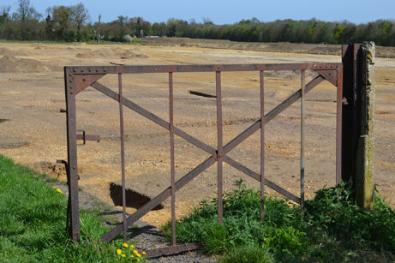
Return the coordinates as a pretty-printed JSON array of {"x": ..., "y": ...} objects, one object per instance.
[{"x": 32, "y": 128}]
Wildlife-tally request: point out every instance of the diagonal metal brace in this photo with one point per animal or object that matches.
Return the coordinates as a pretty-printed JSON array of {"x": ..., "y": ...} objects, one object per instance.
[{"x": 212, "y": 159}]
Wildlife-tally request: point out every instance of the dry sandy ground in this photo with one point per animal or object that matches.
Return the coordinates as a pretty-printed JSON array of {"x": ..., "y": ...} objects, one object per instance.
[{"x": 32, "y": 129}]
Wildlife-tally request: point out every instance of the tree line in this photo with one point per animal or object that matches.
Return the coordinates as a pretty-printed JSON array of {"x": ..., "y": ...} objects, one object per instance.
[{"x": 72, "y": 23}]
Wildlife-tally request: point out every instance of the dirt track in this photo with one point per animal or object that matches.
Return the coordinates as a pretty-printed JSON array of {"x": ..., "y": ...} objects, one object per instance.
[{"x": 32, "y": 129}]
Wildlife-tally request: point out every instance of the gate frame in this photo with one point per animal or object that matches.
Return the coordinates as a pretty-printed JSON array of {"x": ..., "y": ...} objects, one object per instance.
[{"x": 78, "y": 78}]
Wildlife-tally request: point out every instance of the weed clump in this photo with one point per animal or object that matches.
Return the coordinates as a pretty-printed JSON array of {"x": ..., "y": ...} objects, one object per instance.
[{"x": 331, "y": 227}]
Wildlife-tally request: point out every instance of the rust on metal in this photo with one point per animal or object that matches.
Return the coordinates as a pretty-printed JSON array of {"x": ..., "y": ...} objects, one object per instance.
[
  {"x": 172, "y": 161},
  {"x": 348, "y": 142},
  {"x": 339, "y": 125},
  {"x": 262, "y": 148},
  {"x": 82, "y": 136},
  {"x": 160, "y": 198},
  {"x": 80, "y": 77},
  {"x": 84, "y": 81},
  {"x": 122, "y": 139},
  {"x": 219, "y": 146},
  {"x": 172, "y": 250},
  {"x": 135, "y": 69},
  {"x": 72, "y": 171},
  {"x": 271, "y": 115},
  {"x": 329, "y": 75},
  {"x": 302, "y": 114}
]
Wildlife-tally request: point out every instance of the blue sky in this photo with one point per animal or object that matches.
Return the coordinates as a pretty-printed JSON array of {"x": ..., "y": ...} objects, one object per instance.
[{"x": 229, "y": 11}]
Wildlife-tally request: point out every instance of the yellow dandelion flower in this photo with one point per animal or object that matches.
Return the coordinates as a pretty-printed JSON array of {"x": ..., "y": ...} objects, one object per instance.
[
  {"x": 123, "y": 255},
  {"x": 136, "y": 253},
  {"x": 125, "y": 245},
  {"x": 132, "y": 246},
  {"x": 58, "y": 190},
  {"x": 119, "y": 251}
]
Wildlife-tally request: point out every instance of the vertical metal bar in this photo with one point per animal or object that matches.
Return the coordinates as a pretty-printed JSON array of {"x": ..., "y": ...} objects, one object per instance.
[
  {"x": 219, "y": 148},
  {"x": 122, "y": 135},
  {"x": 339, "y": 125},
  {"x": 262, "y": 174},
  {"x": 72, "y": 156},
  {"x": 172, "y": 161},
  {"x": 302, "y": 113}
]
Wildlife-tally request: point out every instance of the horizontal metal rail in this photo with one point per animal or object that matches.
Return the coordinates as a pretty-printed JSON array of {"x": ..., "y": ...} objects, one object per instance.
[{"x": 86, "y": 70}]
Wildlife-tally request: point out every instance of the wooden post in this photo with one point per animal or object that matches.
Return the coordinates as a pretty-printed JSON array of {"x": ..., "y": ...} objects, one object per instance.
[{"x": 364, "y": 156}]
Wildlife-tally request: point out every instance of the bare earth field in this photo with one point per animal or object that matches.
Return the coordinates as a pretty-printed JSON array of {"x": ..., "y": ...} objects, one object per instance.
[{"x": 32, "y": 128}]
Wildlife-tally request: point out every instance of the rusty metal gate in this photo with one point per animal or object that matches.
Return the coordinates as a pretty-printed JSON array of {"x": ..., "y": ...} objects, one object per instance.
[{"x": 80, "y": 77}]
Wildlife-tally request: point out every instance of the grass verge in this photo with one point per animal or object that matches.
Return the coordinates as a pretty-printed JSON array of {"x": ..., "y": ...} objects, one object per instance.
[
  {"x": 331, "y": 228},
  {"x": 32, "y": 223}
]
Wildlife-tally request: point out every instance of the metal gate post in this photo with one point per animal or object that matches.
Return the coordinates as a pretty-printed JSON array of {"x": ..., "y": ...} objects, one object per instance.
[
  {"x": 122, "y": 137},
  {"x": 339, "y": 125},
  {"x": 302, "y": 137},
  {"x": 219, "y": 147},
  {"x": 172, "y": 161},
  {"x": 349, "y": 112},
  {"x": 74, "y": 216},
  {"x": 262, "y": 149}
]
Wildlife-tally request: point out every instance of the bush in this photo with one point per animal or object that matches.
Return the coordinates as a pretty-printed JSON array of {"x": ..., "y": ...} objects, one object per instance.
[
  {"x": 334, "y": 211},
  {"x": 254, "y": 254},
  {"x": 330, "y": 228}
]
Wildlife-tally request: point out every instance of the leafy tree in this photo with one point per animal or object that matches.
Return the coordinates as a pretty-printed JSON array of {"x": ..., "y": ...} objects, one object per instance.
[
  {"x": 26, "y": 12},
  {"x": 71, "y": 23},
  {"x": 27, "y": 17},
  {"x": 79, "y": 16},
  {"x": 62, "y": 23}
]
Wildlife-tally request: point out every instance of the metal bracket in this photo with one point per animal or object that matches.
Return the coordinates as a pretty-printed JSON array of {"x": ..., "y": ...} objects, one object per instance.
[
  {"x": 62, "y": 162},
  {"x": 84, "y": 81},
  {"x": 87, "y": 137},
  {"x": 329, "y": 75}
]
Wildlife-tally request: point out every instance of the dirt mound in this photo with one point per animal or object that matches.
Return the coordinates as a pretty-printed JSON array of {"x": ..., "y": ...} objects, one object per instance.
[
  {"x": 8, "y": 52},
  {"x": 53, "y": 170},
  {"x": 325, "y": 50},
  {"x": 111, "y": 53},
  {"x": 12, "y": 64},
  {"x": 13, "y": 143}
]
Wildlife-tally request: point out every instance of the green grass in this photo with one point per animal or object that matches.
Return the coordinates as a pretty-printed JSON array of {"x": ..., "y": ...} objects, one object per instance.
[
  {"x": 330, "y": 229},
  {"x": 32, "y": 222}
]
